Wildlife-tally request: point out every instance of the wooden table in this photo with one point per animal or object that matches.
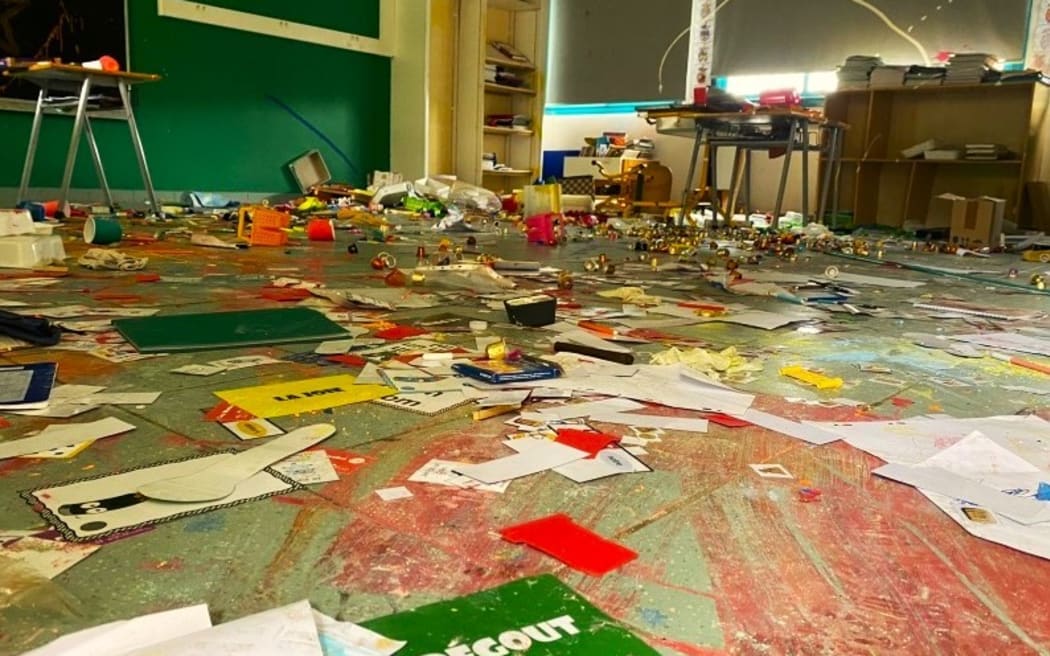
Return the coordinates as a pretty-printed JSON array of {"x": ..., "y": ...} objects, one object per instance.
[
  {"x": 762, "y": 130},
  {"x": 67, "y": 78}
]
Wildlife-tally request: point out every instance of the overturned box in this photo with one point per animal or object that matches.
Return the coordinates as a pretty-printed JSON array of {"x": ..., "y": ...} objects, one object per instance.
[{"x": 975, "y": 220}]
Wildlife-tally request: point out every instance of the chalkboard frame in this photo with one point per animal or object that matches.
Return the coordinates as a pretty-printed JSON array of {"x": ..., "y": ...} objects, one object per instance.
[{"x": 202, "y": 12}]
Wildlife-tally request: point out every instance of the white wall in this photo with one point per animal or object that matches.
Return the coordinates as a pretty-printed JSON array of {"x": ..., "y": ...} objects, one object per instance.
[
  {"x": 565, "y": 132},
  {"x": 408, "y": 90}
]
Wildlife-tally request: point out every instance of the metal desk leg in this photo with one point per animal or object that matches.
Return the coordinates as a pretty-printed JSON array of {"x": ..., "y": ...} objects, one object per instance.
[
  {"x": 34, "y": 136},
  {"x": 687, "y": 193},
  {"x": 836, "y": 176},
  {"x": 74, "y": 144},
  {"x": 804, "y": 133},
  {"x": 140, "y": 153},
  {"x": 712, "y": 152},
  {"x": 747, "y": 181},
  {"x": 825, "y": 185},
  {"x": 784, "y": 170},
  {"x": 96, "y": 157}
]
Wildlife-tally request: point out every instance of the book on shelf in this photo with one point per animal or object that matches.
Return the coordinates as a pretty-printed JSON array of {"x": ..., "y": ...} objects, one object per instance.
[
  {"x": 943, "y": 154},
  {"x": 920, "y": 148}
]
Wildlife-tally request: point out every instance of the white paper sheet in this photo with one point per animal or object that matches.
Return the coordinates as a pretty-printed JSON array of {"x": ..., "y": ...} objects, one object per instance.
[
  {"x": 543, "y": 455},
  {"x": 686, "y": 424},
  {"x": 119, "y": 398},
  {"x": 119, "y": 638},
  {"x": 308, "y": 468},
  {"x": 394, "y": 493},
  {"x": 64, "y": 435},
  {"x": 934, "y": 479},
  {"x": 802, "y": 431},
  {"x": 1008, "y": 341},
  {"x": 442, "y": 472},
  {"x": 286, "y": 631},
  {"x": 349, "y": 639},
  {"x": 608, "y": 462},
  {"x": 48, "y": 558},
  {"x": 586, "y": 409}
]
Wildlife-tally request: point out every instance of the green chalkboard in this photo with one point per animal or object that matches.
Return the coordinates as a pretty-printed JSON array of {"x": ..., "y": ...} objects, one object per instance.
[{"x": 352, "y": 16}]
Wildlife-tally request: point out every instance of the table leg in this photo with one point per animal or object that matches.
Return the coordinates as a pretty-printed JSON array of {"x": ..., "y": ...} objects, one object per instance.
[
  {"x": 829, "y": 163},
  {"x": 140, "y": 152},
  {"x": 96, "y": 157},
  {"x": 74, "y": 144},
  {"x": 784, "y": 170},
  {"x": 803, "y": 129},
  {"x": 34, "y": 138},
  {"x": 712, "y": 152},
  {"x": 835, "y": 178},
  {"x": 747, "y": 181},
  {"x": 687, "y": 193}
]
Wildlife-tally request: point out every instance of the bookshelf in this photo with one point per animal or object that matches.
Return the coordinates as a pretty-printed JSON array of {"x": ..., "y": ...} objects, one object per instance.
[
  {"x": 879, "y": 186},
  {"x": 523, "y": 25}
]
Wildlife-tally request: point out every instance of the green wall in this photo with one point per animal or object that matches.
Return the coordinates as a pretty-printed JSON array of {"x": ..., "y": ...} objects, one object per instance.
[{"x": 208, "y": 125}]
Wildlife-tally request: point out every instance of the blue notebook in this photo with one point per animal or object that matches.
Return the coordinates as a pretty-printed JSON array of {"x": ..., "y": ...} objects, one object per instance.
[
  {"x": 26, "y": 386},
  {"x": 508, "y": 371}
]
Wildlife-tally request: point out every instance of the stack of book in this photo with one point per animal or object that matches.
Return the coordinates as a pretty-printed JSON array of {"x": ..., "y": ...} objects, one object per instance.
[
  {"x": 1028, "y": 75},
  {"x": 973, "y": 68},
  {"x": 888, "y": 76},
  {"x": 921, "y": 76},
  {"x": 943, "y": 154},
  {"x": 985, "y": 152},
  {"x": 919, "y": 150},
  {"x": 856, "y": 72}
]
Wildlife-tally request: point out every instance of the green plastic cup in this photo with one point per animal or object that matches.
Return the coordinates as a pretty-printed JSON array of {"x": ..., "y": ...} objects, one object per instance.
[{"x": 102, "y": 231}]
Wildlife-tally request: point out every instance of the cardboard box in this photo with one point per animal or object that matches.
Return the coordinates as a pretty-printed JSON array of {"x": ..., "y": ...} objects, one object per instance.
[{"x": 975, "y": 221}]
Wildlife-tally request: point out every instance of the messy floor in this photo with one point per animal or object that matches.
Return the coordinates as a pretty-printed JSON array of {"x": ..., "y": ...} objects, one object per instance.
[{"x": 734, "y": 400}]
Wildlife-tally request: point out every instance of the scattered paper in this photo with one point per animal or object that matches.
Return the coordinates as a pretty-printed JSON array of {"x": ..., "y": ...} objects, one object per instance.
[
  {"x": 64, "y": 435},
  {"x": 771, "y": 471},
  {"x": 441, "y": 472},
  {"x": 308, "y": 468},
  {"x": 541, "y": 456},
  {"x": 394, "y": 493},
  {"x": 47, "y": 558},
  {"x": 302, "y": 396},
  {"x": 802, "y": 431},
  {"x": 119, "y": 638},
  {"x": 686, "y": 424}
]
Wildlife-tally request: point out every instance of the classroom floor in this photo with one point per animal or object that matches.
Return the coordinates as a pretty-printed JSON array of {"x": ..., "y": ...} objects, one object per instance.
[{"x": 729, "y": 563}]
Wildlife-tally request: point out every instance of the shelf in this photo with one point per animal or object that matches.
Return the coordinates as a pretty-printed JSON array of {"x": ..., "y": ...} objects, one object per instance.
[
  {"x": 507, "y": 172},
  {"x": 934, "y": 88},
  {"x": 502, "y": 88},
  {"x": 510, "y": 132},
  {"x": 971, "y": 162},
  {"x": 515, "y": 5},
  {"x": 510, "y": 63}
]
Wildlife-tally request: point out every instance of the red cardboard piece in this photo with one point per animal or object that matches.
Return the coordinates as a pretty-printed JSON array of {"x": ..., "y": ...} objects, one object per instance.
[
  {"x": 281, "y": 294},
  {"x": 401, "y": 332},
  {"x": 726, "y": 420},
  {"x": 348, "y": 360},
  {"x": 574, "y": 545},
  {"x": 590, "y": 441},
  {"x": 225, "y": 412}
]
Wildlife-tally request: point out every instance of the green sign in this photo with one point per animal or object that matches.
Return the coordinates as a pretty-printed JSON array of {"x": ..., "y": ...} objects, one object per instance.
[{"x": 537, "y": 616}]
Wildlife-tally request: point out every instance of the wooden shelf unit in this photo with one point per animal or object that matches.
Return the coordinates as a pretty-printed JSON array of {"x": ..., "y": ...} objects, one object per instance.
[
  {"x": 878, "y": 186},
  {"x": 524, "y": 25}
]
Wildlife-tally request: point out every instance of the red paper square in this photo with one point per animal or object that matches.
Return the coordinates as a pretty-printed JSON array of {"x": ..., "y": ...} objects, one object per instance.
[
  {"x": 574, "y": 545},
  {"x": 400, "y": 332},
  {"x": 225, "y": 412},
  {"x": 590, "y": 441}
]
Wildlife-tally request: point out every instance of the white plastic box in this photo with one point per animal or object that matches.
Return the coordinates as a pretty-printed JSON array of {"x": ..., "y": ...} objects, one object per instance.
[{"x": 31, "y": 251}]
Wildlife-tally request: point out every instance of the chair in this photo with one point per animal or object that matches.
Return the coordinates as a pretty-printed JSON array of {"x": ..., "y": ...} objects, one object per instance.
[{"x": 642, "y": 186}]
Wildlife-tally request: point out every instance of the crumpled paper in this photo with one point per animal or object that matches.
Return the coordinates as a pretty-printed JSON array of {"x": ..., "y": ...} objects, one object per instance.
[
  {"x": 631, "y": 296},
  {"x": 727, "y": 362},
  {"x": 102, "y": 258}
]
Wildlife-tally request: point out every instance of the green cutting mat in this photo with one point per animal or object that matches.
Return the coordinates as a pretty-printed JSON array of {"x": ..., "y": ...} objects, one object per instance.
[
  {"x": 214, "y": 330},
  {"x": 537, "y": 616}
]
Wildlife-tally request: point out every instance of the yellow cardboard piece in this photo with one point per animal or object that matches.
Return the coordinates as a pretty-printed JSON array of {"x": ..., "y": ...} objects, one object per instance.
[{"x": 281, "y": 399}]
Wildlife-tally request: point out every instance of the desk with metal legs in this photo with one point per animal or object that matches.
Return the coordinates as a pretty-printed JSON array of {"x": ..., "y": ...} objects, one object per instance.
[
  {"x": 65, "y": 78},
  {"x": 787, "y": 129}
]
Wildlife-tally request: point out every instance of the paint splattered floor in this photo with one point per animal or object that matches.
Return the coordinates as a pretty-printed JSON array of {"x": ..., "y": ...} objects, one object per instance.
[{"x": 729, "y": 563}]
